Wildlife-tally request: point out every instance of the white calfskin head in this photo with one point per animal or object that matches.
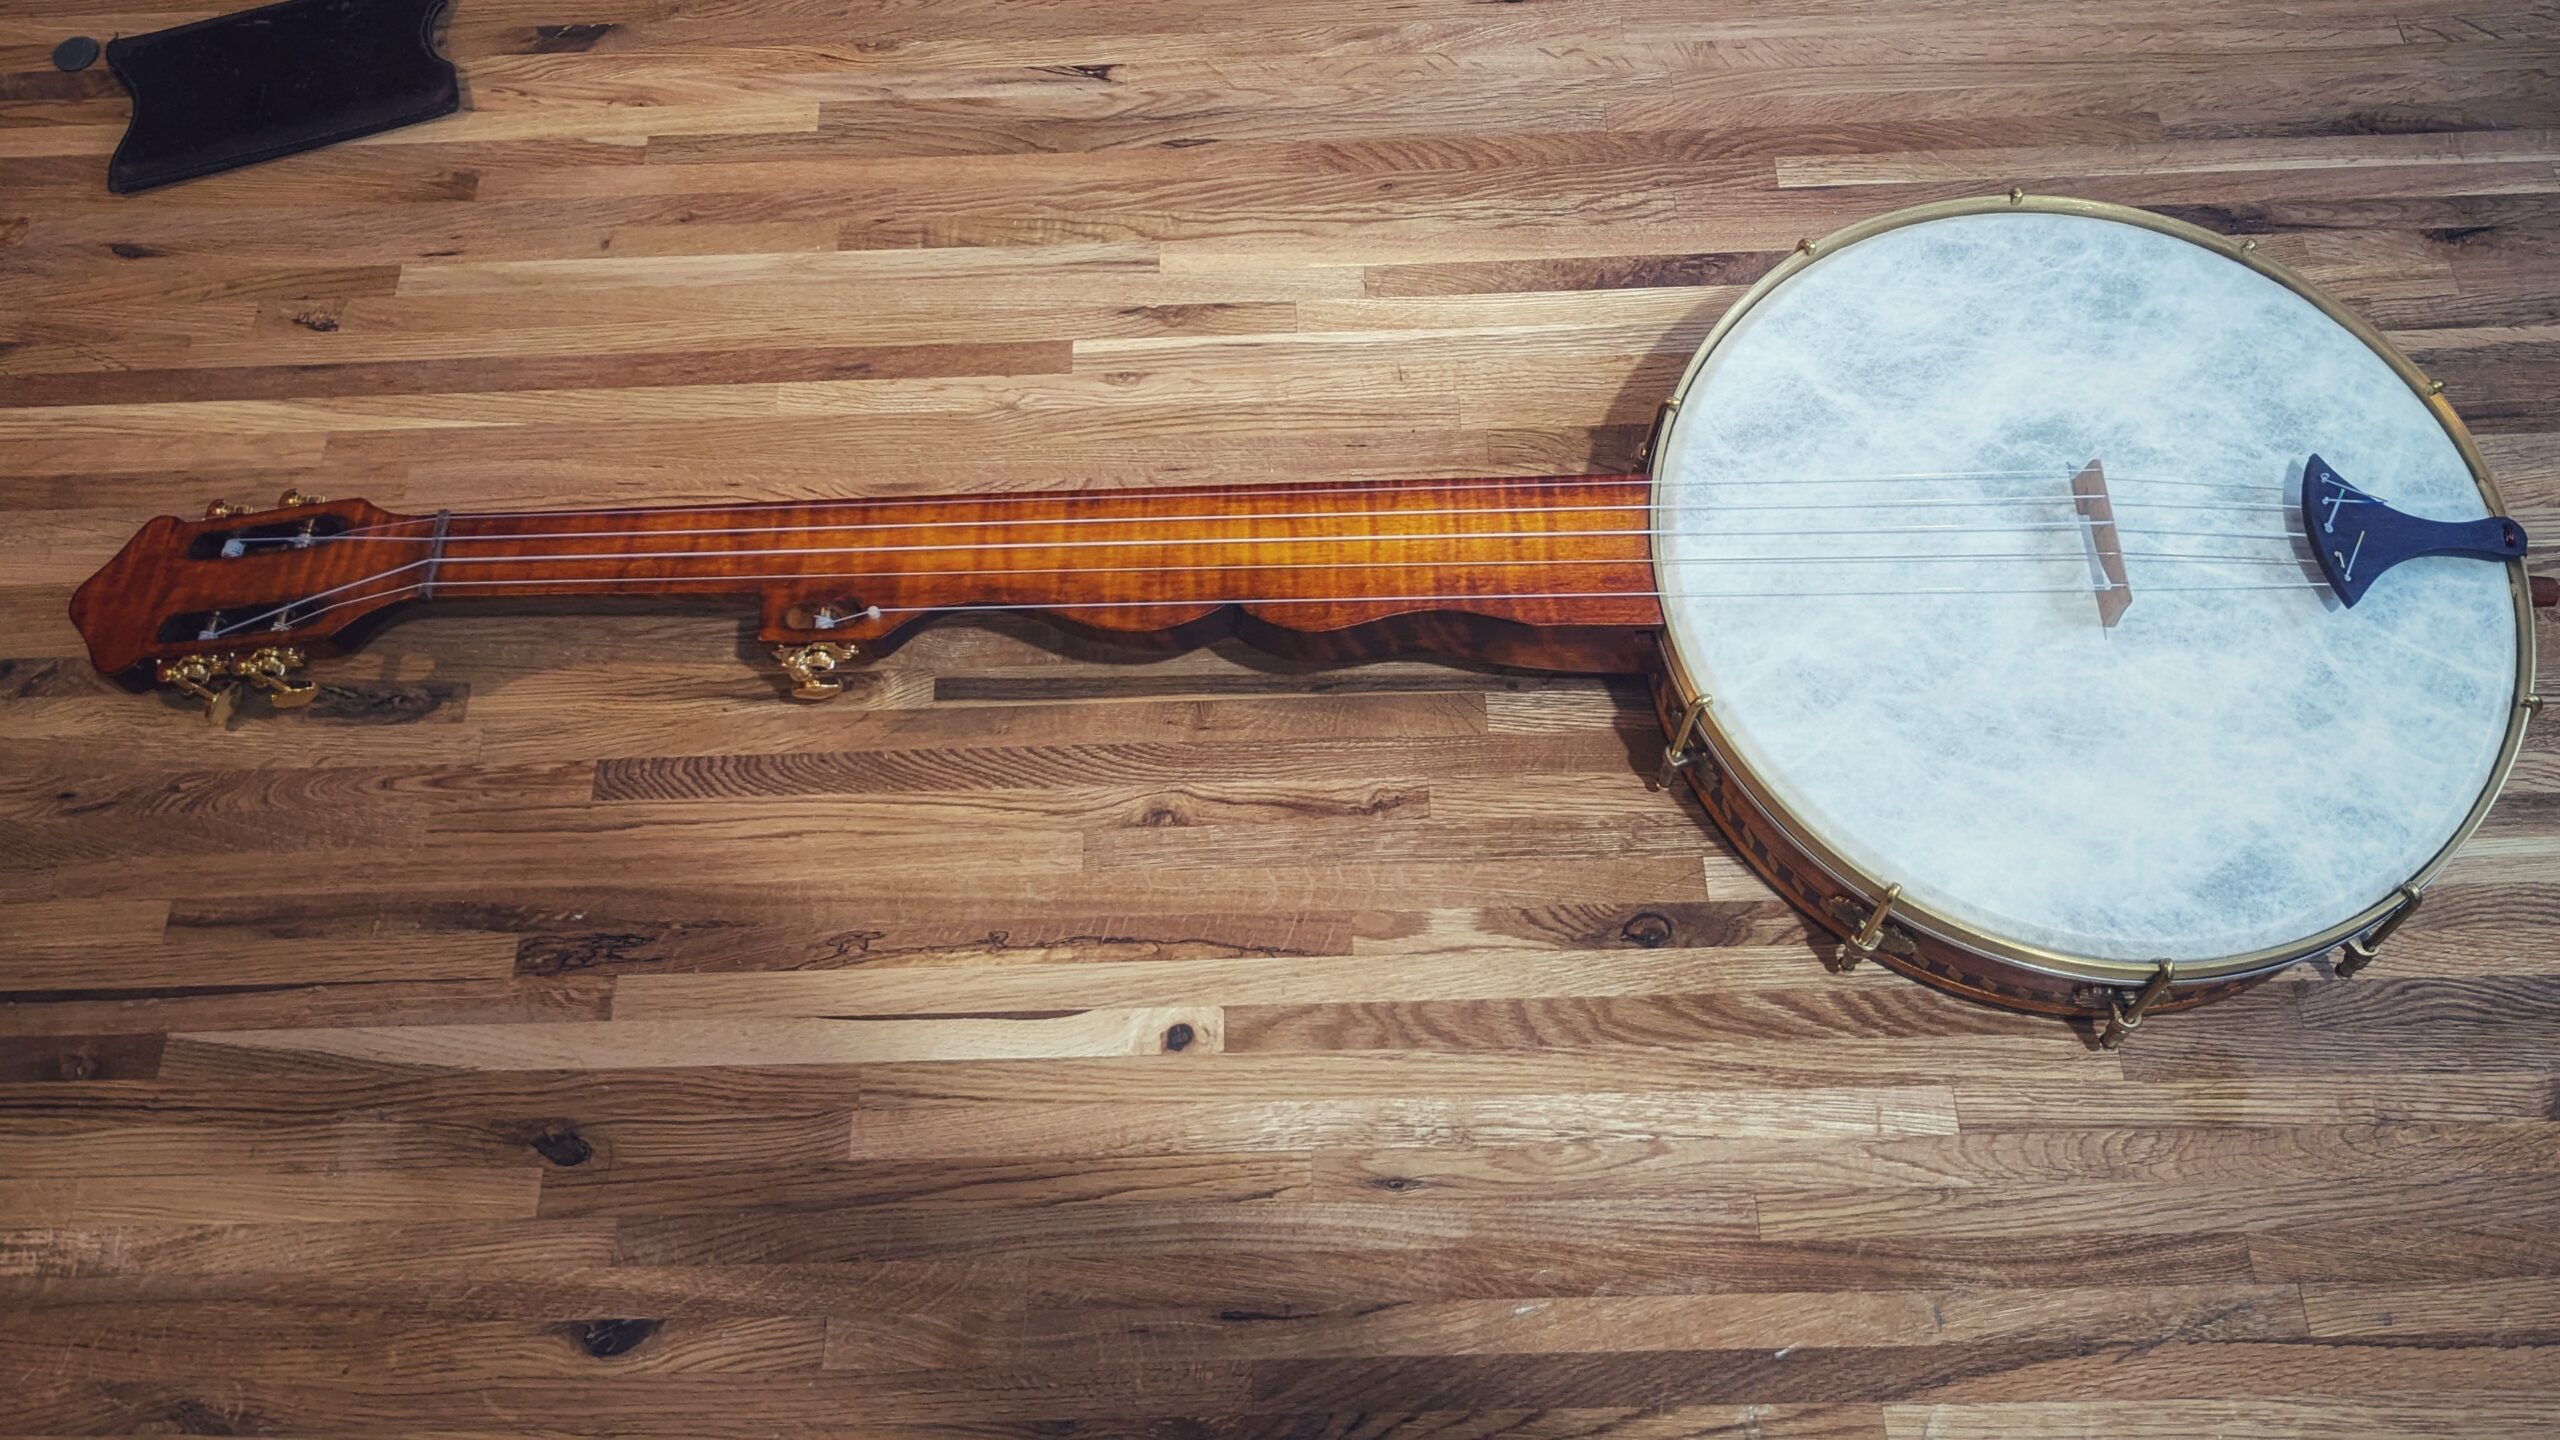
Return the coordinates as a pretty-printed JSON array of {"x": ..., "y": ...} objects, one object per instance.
[{"x": 1870, "y": 560}]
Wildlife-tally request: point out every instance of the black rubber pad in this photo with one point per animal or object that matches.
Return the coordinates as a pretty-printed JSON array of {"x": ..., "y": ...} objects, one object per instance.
[{"x": 238, "y": 89}]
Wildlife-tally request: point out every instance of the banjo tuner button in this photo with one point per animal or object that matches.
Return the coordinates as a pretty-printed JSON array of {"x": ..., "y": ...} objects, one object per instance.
[
  {"x": 210, "y": 679},
  {"x": 811, "y": 668},
  {"x": 271, "y": 669},
  {"x": 295, "y": 500},
  {"x": 205, "y": 677},
  {"x": 220, "y": 510}
]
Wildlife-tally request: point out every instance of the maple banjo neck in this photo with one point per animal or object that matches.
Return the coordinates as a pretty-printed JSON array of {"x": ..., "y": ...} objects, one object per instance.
[{"x": 2003, "y": 569}]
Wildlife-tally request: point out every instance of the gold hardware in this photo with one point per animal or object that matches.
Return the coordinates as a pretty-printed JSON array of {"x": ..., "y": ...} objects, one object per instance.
[
  {"x": 810, "y": 666},
  {"x": 2532, "y": 704},
  {"x": 202, "y": 676},
  {"x": 1677, "y": 756},
  {"x": 1662, "y": 414},
  {"x": 271, "y": 669},
  {"x": 2125, "y": 1016},
  {"x": 1870, "y": 934},
  {"x": 2435, "y": 387},
  {"x": 2017, "y": 194},
  {"x": 222, "y": 510},
  {"x": 295, "y": 500},
  {"x": 2362, "y": 949},
  {"x": 1804, "y": 247},
  {"x": 2247, "y": 245}
]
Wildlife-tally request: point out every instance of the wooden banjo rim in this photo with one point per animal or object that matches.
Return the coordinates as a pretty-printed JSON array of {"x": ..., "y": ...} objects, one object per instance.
[{"x": 1867, "y": 888}]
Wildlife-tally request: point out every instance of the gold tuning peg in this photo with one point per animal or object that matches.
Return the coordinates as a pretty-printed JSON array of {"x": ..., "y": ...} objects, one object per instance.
[
  {"x": 209, "y": 678},
  {"x": 295, "y": 500},
  {"x": 203, "y": 676},
  {"x": 221, "y": 510},
  {"x": 271, "y": 669},
  {"x": 810, "y": 667}
]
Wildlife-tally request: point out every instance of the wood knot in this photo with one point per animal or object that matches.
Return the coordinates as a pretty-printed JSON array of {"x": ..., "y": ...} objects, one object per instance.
[
  {"x": 1178, "y": 1037},
  {"x": 1647, "y": 929},
  {"x": 560, "y": 954},
  {"x": 562, "y": 1146},
  {"x": 568, "y": 39},
  {"x": 605, "y": 1339},
  {"x": 191, "y": 1416}
]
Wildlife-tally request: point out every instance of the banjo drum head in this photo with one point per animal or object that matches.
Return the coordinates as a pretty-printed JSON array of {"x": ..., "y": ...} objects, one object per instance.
[{"x": 1872, "y": 562}]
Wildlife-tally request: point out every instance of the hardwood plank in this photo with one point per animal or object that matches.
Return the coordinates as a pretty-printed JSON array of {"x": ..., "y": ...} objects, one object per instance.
[
  {"x": 1279, "y": 980},
  {"x": 353, "y": 1195},
  {"x": 261, "y": 1343},
  {"x": 555, "y": 1031},
  {"x": 636, "y": 1044},
  {"x": 2523, "y": 1304},
  {"x": 1599, "y": 1325},
  {"x": 917, "y": 1131},
  {"x": 633, "y": 1187},
  {"x": 566, "y": 1280},
  {"x": 2448, "y": 1414}
]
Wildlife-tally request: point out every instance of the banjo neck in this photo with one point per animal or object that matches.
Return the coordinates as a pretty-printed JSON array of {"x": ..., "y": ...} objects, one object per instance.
[{"x": 1552, "y": 571}]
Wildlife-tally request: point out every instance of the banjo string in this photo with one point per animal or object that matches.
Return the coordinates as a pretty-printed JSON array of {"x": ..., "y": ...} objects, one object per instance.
[
  {"x": 1195, "y": 602},
  {"x": 283, "y": 615},
  {"x": 448, "y": 562},
  {"x": 452, "y": 538},
  {"x": 286, "y": 615},
  {"x": 383, "y": 529}
]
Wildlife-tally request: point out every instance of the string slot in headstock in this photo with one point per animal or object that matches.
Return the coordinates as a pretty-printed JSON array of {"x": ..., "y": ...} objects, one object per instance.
[
  {"x": 239, "y": 621},
  {"x": 268, "y": 537}
]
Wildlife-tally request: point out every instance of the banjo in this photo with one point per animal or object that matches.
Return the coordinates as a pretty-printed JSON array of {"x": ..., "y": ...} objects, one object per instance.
[{"x": 2058, "y": 603}]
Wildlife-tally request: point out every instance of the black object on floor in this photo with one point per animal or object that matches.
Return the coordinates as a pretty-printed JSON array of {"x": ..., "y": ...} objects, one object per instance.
[
  {"x": 77, "y": 53},
  {"x": 238, "y": 89}
]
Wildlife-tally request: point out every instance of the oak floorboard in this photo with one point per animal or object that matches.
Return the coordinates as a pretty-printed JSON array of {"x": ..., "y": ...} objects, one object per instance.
[{"x": 554, "y": 1031}]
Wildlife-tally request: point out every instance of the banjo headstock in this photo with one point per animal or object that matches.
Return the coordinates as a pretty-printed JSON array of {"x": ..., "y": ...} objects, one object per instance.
[{"x": 237, "y": 597}]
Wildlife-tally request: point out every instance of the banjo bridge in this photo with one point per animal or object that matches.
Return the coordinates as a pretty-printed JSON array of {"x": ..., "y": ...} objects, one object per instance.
[
  {"x": 2357, "y": 537},
  {"x": 2106, "y": 546}
]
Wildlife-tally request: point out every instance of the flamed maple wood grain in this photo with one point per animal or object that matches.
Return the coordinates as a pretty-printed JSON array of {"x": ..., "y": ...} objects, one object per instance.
[{"x": 553, "y": 1031}]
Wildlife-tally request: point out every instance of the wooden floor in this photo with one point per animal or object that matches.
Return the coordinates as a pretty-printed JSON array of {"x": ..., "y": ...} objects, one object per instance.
[{"x": 555, "y": 1031}]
